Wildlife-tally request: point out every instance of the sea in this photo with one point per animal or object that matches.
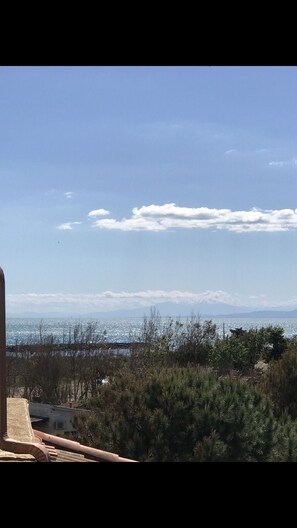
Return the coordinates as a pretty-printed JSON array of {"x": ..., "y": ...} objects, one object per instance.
[{"x": 125, "y": 330}]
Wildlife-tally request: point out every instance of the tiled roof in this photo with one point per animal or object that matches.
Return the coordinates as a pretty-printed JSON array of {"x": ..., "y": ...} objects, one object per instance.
[
  {"x": 68, "y": 456},
  {"x": 75, "y": 450},
  {"x": 35, "y": 443}
]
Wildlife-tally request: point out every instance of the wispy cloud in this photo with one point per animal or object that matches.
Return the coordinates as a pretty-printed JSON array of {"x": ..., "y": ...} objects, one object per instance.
[
  {"x": 260, "y": 296},
  {"x": 108, "y": 300},
  {"x": 287, "y": 163},
  {"x": 246, "y": 153},
  {"x": 231, "y": 151},
  {"x": 206, "y": 132},
  {"x": 50, "y": 192},
  {"x": 67, "y": 226},
  {"x": 279, "y": 163},
  {"x": 169, "y": 216},
  {"x": 53, "y": 192}
]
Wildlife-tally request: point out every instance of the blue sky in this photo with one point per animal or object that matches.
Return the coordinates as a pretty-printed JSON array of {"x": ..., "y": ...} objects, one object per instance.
[{"x": 122, "y": 187}]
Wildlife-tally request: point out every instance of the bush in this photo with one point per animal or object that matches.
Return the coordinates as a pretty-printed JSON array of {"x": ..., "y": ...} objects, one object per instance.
[
  {"x": 244, "y": 348},
  {"x": 280, "y": 383},
  {"x": 184, "y": 414},
  {"x": 176, "y": 342}
]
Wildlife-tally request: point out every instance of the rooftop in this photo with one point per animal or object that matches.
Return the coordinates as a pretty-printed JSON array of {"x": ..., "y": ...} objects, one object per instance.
[{"x": 59, "y": 449}]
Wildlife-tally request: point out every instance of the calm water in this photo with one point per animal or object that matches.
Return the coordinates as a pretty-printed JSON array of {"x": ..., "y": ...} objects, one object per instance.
[{"x": 124, "y": 330}]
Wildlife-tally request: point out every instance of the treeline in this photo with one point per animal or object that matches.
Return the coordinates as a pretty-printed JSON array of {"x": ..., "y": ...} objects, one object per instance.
[
  {"x": 44, "y": 370},
  {"x": 184, "y": 393}
]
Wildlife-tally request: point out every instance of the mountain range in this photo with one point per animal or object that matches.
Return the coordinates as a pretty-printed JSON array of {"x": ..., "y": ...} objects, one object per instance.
[{"x": 169, "y": 309}]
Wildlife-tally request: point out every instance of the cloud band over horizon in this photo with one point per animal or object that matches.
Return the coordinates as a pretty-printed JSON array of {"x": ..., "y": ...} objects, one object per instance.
[{"x": 109, "y": 301}]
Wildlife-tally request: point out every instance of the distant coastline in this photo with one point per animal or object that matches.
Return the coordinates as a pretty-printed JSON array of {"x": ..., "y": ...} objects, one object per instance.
[
  {"x": 166, "y": 310},
  {"x": 262, "y": 314}
]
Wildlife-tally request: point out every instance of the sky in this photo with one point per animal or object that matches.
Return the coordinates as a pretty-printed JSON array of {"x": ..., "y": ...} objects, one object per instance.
[{"x": 126, "y": 186}]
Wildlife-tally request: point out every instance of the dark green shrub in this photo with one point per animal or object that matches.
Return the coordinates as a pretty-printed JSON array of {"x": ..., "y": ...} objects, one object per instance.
[
  {"x": 280, "y": 383},
  {"x": 183, "y": 414}
]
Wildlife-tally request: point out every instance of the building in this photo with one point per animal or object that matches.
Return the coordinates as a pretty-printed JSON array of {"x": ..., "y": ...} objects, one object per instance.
[{"x": 53, "y": 419}]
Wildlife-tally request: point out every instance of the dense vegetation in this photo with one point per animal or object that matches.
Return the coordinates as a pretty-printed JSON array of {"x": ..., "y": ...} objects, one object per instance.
[
  {"x": 186, "y": 414},
  {"x": 183, "y": 393}
]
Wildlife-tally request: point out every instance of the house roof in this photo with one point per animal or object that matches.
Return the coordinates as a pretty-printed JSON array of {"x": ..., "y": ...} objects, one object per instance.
[
  {"x": 70, "y": 446},
  {"x": 59, "y": 449}
]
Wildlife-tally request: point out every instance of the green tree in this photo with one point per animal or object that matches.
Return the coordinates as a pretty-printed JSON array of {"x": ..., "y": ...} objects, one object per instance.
[
  {"x": 178, "y": 342},
  {"x": 230, "y": 354},
  {"x": 183, "y": 414},
  {"x": 277, "y": 342},
  {"x": 280, "y": 382},
  {"x": 242, "y": 350},
  {"x": 194, "y": 342}
]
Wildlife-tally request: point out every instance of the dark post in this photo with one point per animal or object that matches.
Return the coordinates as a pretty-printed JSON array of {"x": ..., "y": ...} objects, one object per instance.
[
  {"x": 3, "y": 401},
  {"x": 38, "y": 450}
]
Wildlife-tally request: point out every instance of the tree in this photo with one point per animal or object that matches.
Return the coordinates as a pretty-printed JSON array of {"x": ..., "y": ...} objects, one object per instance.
[
  {"x": 280, "y": 383},
  {"x": 195, "y": 341},
  {"x": 183, "y": 414},
  {"x": 176, "y": 342},
  {"x": 277, "y": 341},
  {"x": 244, "y": 348}
]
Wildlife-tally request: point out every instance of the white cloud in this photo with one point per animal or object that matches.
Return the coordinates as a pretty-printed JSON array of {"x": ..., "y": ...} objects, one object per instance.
[
  {"x": 51, "y": 192},
  {"x": 261, "y": 296},
  {"x": 169, "y": 216},
  {"x": 108, "y": 300},
  {"x": 231, "y": 151},
  {"x": 278, "y": 163},
  {"x": 67, "y": 226},
  {"x": 288, "y": 163},
  {"x": 99, "y": 212},
  {"x": 243, "y": 153}
]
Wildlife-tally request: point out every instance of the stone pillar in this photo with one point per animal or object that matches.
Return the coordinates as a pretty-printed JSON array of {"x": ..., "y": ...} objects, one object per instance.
[{"x": 3, "y": 396}]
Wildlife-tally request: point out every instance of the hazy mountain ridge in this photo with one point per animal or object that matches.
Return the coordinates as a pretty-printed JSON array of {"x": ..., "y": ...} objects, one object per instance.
[
  {"x": 168, "y": 309},
  {"x": 267, "y": 313}
]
